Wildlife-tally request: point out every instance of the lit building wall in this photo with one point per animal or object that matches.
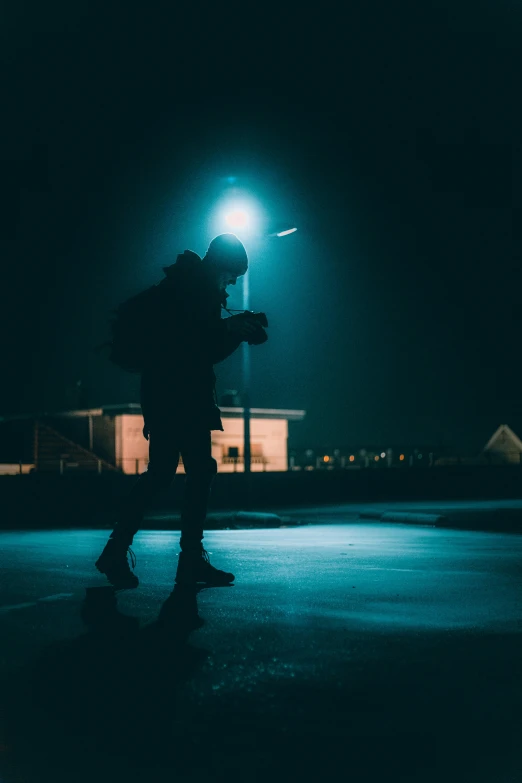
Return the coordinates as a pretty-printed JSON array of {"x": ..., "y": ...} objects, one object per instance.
[
  {"x": 132, "y": 450},
  {"x": 269, "y": 445},
  {"x": 15, "y": 468}
]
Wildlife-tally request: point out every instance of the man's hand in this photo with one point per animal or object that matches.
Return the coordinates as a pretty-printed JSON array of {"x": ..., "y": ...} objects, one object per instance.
[{"x": 241, "y": 326}]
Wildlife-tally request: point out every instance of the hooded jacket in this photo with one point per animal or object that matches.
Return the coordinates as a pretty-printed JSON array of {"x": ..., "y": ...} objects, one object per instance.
[{"x": 178, "y": 382}]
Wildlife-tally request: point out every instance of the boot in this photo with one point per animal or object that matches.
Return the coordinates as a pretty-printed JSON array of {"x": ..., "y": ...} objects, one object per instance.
[
  {"x": 194, "y": 568},
  {"x": 114, "y": 564}
]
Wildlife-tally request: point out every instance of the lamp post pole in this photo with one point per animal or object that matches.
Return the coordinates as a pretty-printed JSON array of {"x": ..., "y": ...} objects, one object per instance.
[
  {"x": 246, "y": 396},
  {"x": 237, "y": 218}
]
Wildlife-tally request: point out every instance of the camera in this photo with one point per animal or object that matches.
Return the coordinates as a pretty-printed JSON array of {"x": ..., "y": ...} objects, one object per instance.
[{"x": 260, "y": 336}]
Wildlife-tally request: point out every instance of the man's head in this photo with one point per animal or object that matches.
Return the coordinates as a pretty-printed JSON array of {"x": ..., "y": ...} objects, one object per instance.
[{"x": 227, "y": 256}]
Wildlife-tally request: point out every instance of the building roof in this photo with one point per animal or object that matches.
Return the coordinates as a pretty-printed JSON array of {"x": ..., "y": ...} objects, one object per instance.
[
  {"x": 264, "y": 413},
  {"x": 503, "y": 439},
  {"x": 135, "y": 408}
]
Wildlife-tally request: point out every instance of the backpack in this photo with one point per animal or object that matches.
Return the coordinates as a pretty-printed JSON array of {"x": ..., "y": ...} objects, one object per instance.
[
  {"x": 138, "y": 324},
  {"x": 132, "y": 330}
]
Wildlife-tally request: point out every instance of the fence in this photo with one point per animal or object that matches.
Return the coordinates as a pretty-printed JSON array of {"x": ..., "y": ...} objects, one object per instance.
[{"x": 277, "y": 463}]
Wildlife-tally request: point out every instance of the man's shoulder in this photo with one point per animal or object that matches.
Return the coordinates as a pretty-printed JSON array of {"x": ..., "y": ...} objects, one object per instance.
[
  {"x": 190, "y": 290},
  {"x": 186, "y": 276}
]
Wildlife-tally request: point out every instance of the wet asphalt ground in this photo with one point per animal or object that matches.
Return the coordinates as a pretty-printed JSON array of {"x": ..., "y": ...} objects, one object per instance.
[{"x": 360, "y": 651}]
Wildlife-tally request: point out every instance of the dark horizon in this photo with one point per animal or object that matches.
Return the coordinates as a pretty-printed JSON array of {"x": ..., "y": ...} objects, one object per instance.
[{"x": 390, "y": 140}]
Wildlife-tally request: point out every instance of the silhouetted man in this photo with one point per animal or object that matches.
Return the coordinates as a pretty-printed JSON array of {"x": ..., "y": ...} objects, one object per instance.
[{"x": 178, "y": 401}]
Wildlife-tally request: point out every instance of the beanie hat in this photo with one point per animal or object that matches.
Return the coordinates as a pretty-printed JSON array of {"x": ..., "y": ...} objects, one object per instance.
[{"x": 227, "y": 252}]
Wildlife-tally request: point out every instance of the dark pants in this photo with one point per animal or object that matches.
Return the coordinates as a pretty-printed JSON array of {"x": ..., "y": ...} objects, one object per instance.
[{"x": 166, "y": 444}]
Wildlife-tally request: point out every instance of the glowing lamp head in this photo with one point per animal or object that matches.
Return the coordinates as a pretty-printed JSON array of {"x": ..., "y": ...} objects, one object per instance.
[
  {"x": 238, "y": 212},
  {"x": 237, "y": 219}
]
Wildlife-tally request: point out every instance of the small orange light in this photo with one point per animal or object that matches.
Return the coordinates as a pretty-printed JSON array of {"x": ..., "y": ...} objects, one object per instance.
[
  {"x": 377, "y": 458},
  {"x": 401, "y": 457},
  {"x": 352, "y": 458},
  {"x": 326, "y": 458}
]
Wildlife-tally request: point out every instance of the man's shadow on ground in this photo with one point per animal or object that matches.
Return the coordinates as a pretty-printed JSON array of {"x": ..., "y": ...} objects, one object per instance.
[{"x": 116, "y": 688}]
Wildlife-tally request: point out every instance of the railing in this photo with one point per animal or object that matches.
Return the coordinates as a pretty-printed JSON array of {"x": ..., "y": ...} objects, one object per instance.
[
  {"x": 277, "y": 463},
  {"x": 78, "y": 466},
  {"x": 240, "y": 460},
  {"x": 57, "y": 453}
]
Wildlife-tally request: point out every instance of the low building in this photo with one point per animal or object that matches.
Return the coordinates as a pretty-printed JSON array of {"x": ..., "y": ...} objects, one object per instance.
[
  {"x": 121, "y": 432},
  {"x": 111, "y": 438},
  {"x": 503, "y": 447}
]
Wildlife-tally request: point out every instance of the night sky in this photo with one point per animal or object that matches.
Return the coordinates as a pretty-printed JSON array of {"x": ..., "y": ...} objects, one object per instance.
[{"x": 389, "y": 133}]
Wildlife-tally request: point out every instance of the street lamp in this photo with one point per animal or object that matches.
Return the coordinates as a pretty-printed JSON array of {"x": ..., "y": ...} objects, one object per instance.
[
  {"x": 240, "y": 213},
  {"x": 247, "y": 454},
  {"x": 243, "y": 216},
  {"x": 238, "y": 220}
]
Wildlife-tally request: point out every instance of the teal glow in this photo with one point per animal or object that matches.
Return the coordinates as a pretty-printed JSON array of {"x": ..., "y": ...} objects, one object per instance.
[{"x": 239, "y": 213}]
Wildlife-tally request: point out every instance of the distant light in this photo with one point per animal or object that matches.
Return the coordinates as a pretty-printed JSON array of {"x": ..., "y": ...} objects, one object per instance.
[
  {"x": 401, "y": 457},
  {"x": 284, "y": 233},
  {"x": 352, "y": 458},
  {"x": 326, "y": 458},
  {"x": 231, "y": 180},
  {"x": 383, "y": 454},
  {"x": 376, "y": 458}
]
